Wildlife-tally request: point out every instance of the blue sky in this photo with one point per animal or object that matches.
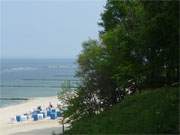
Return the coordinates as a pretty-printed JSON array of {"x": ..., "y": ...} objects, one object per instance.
[{"x": 48, "y": 29}]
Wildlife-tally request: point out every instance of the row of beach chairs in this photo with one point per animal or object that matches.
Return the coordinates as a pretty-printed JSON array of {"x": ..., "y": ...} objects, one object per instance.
[{"x": 40, "y": 115}]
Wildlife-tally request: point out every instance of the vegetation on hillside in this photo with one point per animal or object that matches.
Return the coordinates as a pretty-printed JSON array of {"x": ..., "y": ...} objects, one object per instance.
[
  {"x": 139, "y": 45},
  {"x": 148, "y": 112}
]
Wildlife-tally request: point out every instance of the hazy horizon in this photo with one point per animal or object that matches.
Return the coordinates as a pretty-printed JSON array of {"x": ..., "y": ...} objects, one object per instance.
[{"x": 37, "y": 58}]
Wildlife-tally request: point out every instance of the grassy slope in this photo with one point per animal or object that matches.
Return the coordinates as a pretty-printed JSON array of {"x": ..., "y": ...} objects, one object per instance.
[{"x": 149, "y": 112}]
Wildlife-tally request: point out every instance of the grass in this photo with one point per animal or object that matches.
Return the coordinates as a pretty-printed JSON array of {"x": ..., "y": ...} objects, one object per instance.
[{"x": 154, "y": 111}]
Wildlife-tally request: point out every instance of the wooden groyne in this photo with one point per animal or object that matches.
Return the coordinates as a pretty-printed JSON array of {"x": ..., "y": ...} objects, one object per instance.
[{"x": 13, "y": 98}]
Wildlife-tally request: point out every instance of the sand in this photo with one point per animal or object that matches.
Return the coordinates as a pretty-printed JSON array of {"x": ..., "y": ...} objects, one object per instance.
[{"x": 44, "y": 127}]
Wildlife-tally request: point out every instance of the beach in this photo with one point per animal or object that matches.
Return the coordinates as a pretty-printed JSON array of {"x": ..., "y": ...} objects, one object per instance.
[{"x": 29, "y": 127}]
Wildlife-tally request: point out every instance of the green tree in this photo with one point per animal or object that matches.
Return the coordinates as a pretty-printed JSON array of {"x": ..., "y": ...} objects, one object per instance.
[
  {"x": 139, "y": 42},
  {"x": 161, "y": 41}
]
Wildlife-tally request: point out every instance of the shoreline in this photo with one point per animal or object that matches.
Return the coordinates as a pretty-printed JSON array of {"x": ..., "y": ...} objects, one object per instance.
[
  {"x": 8, "y": 112},
  {"x": 18, "y": 103},
  {"x": 25, "y": 101}
]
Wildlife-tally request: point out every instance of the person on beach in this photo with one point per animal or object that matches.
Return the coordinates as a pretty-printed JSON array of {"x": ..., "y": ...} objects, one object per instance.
[
  {"x": 50, "y": 105},
  {"x": 39, "y": 108}
]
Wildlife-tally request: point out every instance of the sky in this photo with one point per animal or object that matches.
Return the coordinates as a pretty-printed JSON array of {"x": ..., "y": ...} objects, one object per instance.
[{"x": 48, "y": 28}]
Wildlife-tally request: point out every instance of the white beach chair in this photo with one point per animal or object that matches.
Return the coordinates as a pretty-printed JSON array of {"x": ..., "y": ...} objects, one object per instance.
[
  {"x": 23, "y": 117},
  {"x": 40, "y": 116}
]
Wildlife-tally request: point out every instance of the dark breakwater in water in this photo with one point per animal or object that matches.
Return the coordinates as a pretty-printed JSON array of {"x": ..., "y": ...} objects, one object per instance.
[{"x": 6, "y": 98}]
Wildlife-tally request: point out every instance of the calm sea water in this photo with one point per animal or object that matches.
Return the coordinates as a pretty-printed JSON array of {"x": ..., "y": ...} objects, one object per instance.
[{"x": 33, "y": 77}]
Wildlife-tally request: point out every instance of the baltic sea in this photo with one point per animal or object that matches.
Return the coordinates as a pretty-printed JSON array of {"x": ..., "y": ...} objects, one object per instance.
[{"x": 28, "y": 78}]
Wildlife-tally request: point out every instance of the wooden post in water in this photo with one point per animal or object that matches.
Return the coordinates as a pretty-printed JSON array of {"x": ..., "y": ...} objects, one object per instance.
[
  {"x": 69, "y": 84},
  {"x": 63, "y": 125}
]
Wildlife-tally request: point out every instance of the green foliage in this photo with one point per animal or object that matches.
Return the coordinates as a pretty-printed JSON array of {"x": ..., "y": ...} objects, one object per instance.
[
  {"x": 161, "y": 40},
  {"x": 85, "y": 103},
  {"x": 65, "y": 87},
  {"x": 139, "y": 42},
  {"x": 152, "y": 111},
  {"x": 77, "y": 107}
]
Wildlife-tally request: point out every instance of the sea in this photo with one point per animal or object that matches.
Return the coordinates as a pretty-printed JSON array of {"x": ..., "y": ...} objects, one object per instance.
[{"x": 29, "y": 78}]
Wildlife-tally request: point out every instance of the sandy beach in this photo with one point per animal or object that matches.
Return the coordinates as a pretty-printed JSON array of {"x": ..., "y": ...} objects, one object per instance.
[{"x": 44, "y": 127}]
